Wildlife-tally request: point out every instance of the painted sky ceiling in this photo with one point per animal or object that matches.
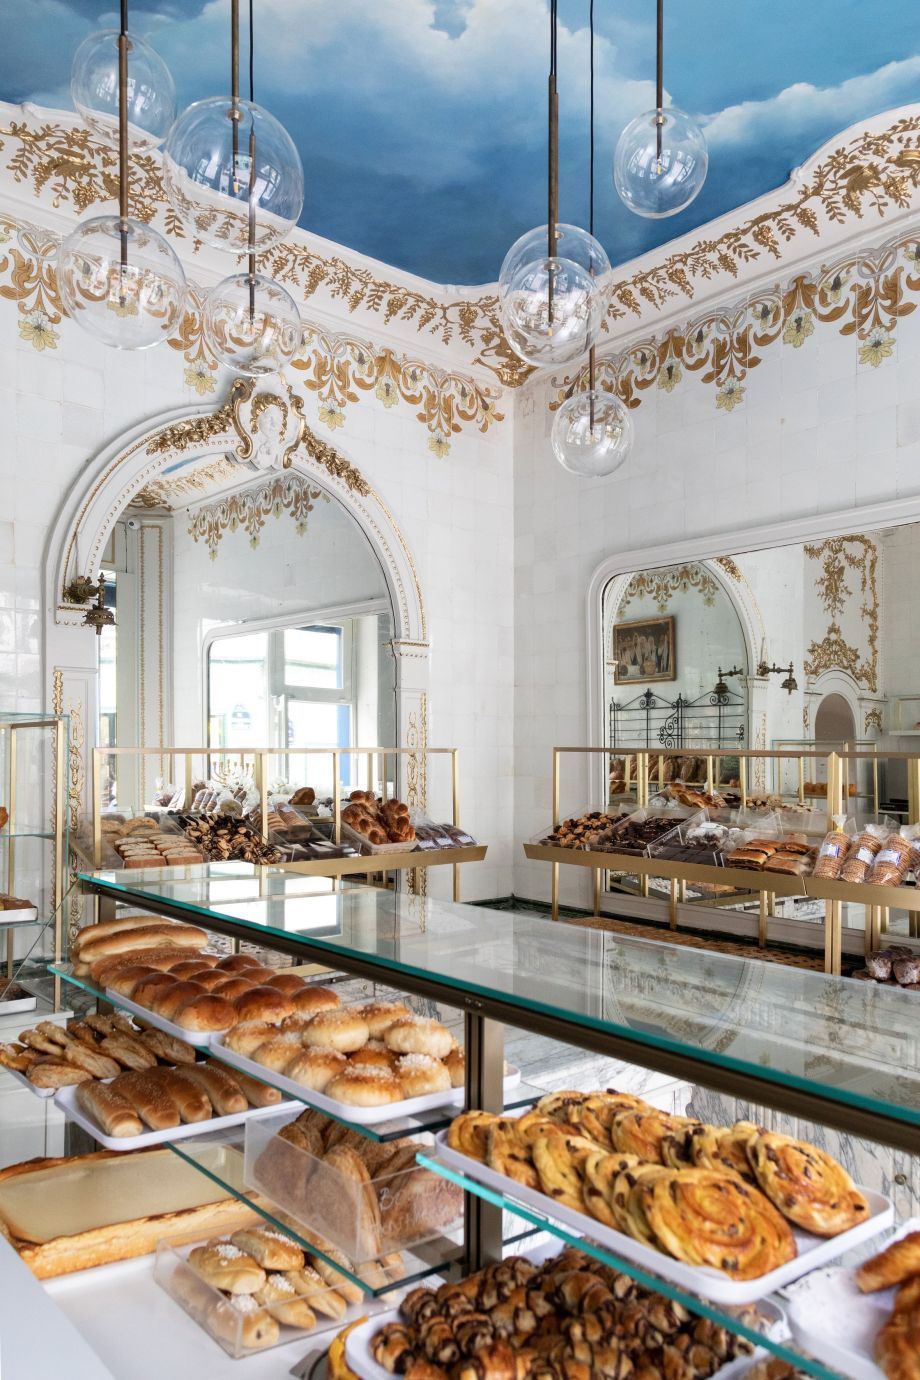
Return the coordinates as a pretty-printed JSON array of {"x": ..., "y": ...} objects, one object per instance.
[{"x": 422, "y": 123}]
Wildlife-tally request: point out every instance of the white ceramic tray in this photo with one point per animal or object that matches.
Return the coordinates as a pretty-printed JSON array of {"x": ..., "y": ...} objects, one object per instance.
[
  {"x": 830, "y": 1317},
  {"x": 703, "y": 1280},
  {"x": 201, "y": 1039},
  {"x": 26, "y": 1003},
  {"x": 21, "y": 1078},
  {"x": 25, "y": 915},
  {"x": 66, "y": 1099},
  {"x": 361, "y": 1116},
  {"x": 360, "y": 1360}
]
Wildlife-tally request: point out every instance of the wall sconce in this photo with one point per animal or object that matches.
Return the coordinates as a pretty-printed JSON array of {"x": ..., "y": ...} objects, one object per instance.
[
  {"x": 721, "y": 687},
  {"x": 82, "y": 589},
  {"x": 789, "y": 684}
]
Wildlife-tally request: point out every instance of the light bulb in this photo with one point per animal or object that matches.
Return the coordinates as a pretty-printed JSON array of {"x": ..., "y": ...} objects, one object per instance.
[
  {"x": 208, "y": 183},
  {"x": 252, "y": 324},
  {"x": 592, "y": 434},
  {"x": 658, "y": 183},
  {"x": 151, "y": 91},
  {"x": 571, "y": 243},
  {"x": 126, "y": 291}
]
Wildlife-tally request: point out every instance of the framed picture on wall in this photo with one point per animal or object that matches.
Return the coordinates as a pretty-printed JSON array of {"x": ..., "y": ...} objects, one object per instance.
[{"x": 644, "y": 650}]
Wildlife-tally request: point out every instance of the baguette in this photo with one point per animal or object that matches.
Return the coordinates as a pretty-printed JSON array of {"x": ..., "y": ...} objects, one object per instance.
[
  {"x": 113, "y": 1112},
  {"x": 220, "y": 1086},
  {"x": 190, "y": 1097},
  {"x": 91, "y": 933},
  {"x": 258, "y": 1094},
  {"x": 144, "y": 937},
  {"x": 149, "y": 1099}
]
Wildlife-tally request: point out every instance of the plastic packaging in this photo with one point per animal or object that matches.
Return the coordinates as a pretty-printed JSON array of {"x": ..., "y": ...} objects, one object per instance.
[
  {"x": 833, "y": 851},
  {"x": 891, "y": 863},
  {"x": 863, "y": 851}
]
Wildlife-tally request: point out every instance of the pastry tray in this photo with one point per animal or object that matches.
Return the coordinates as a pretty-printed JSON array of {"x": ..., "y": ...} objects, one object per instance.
[
  {"x": 21, "y": 1078},
  {"x": 370, "y": 850},
  {"x": 360, "y": 1360},
  {"x": 25, "y": 915},
  {"x": 14, "y": 1004},
  {"x": 66, "y": 1099},
  {"x": 345, "y": 1111},
  {"x": 832, "y": 1319},
  {"x": 708, "y": 1283},
  {"x": 201, "y": 1039}
]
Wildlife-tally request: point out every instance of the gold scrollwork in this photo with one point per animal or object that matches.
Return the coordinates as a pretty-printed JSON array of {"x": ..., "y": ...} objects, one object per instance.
[
  {"x": 837, "y": 555},
  {"x": 251, "y": 508},
  {"x": 662, "y": 585}
]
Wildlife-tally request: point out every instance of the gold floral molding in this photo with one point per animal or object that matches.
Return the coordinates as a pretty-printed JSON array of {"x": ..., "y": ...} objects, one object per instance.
[
  {"x": 863, "y": 295},
  {"x": 180, "y": 489},
  {"x": 858, "y": 556},
  {"x": 337, "y": 367},
  {"x": 873, "y": 172},
  {"x": 662, "y": 585},
  {"x": 251, "y": 509},
  {"x": 873, "y": 720}
]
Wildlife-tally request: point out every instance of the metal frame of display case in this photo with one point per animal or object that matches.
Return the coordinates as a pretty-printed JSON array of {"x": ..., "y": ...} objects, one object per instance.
[
  {"x": 487, "y": 1009},
  {"x": 877, "y": 900},
  {"x": 331, "y": 867},
  {"x": 56, "y": 726}
]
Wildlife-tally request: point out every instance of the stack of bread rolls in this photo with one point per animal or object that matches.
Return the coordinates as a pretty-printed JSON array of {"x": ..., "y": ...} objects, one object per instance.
[
  {"x": 160, "y": 1098},
  {"x": 378, "y": 821},
  {"x": 364, "y": 1056},
  {"x": 128, "y": 934}
]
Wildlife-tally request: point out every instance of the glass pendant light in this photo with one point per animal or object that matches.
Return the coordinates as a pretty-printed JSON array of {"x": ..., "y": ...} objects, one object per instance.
[
  {"x": 209, "y": 181},
  {"x": 119, "y": 279},
  {"x": 251, "y": 322},
  {"x": 592, "y": 431},
  {"x": 550, "y": 288},
  {"x": 151, "y": 92},
  {"x": 661, "y": 157}
]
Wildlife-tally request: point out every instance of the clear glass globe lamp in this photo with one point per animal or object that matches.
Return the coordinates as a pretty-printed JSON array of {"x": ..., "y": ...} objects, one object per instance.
[
  {"x": 207, "y": 182},
  {"x": 129, "y": 305},
  {"x": 659, "y": 185},
  {"x": 151, "y": 91},
  {"x": 571, "y": 243},
  {"x": 252, "y": 324},
  {"x": 592, "y": 434},
  {"x": 552, "y": 307}
]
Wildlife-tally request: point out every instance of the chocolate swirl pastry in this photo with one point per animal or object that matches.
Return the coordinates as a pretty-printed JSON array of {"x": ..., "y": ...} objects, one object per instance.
[{"x": 809, "y": 1187}]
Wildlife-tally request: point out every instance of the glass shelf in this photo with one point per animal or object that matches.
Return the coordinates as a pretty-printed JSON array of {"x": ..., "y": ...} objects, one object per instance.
[
  {"x": 8, "y": 834},
  {"x": 435, "y": 1119},
  {"x": 431, "y": 1257},
  {"x": 808, "y": 1040},
  {"x": 737, "y": 1321}
]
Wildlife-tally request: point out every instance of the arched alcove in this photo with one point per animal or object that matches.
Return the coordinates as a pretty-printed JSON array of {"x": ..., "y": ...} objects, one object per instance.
[{"x": 835, "y": 721}]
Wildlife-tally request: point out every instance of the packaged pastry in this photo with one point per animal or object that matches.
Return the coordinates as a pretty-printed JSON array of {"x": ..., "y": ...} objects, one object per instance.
[
  {"x": 891, "y": 863},
  {"x": 860, "y": 856},
  {"x": 832, "y": 854}
]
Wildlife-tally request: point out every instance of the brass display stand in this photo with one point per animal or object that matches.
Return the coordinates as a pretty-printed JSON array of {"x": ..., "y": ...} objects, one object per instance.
[
  {"x": 877, "y": 900},
  {"x": 260, "y": 758}
]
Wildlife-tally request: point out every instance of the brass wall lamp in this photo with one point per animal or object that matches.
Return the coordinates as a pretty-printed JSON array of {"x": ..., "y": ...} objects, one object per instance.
[
  {"x": 80, "y": 591},
  {"x": 721, "y": 686},
  {"x": 789, "y": 684}
]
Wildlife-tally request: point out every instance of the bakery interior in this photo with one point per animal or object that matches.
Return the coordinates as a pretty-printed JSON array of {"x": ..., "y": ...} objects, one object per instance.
[{"x": 459, "y": 697}]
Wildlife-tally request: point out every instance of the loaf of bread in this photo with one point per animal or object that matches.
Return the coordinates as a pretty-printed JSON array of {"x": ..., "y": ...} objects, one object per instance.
[
  {"x": 220, "y": 1086},
  {"x": 149, "y": 936},
  {"x": 90, "y": 934},
  {"x": 206, "y": 1013},
  {"x": 110, "y": 1108}
]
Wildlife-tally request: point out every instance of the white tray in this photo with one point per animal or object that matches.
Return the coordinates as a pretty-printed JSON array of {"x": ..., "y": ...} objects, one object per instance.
[
  {"x": 830, "y": 1317},
  {"x": 66, "y": 1099},
  {"x": 361, "y": 1116},
  {"x": 26, "y": 1003},
  {"x": 21, "y": 1078},
  {"x": 359, "y": 1358},
  {"x": 25, "y": 915},
  {"x": 201, "y": 1039},
  {"x": 709, "y": 1283}
]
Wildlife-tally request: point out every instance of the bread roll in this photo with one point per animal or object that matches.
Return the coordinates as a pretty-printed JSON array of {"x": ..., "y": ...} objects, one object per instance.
[
  {"x": 169, "y": 1000},
  {"x": 376, "y": 1054},
  {"x": 380, "y": 1014},
  {"x": 277, "y": 1051},
  {"x": 315, "y": 999},
  {"x": 455, "y": 1063},
  {"x": 269, "y": 1247},
  {"x": 109, "y": 1108},
  {"x": 226, "y": 1267},
  {"x": 315, "y": 1067},
  {"x": 246, "y": 1036},
  {"x": 208, "y": 978},
  {"x": 288, "y": 983},
  {"x": 191, "y": 968},
  {"x": 342, "y": 1030},
  {"x": 238, "y": 963},
  {"x": 146, "y": 990},
  {"x": 241, "y": 1321},
  {"x": 421, "y": 1074},
  {"x": 263, "y": 1004},
  {"x": 365, "y": 1086},
  {"x": 231, "y": 987},
  {"x": 102, "y": 970},
  {"x": 90, "y": 934},
  {"x": 219, "y": 1084},
  {"x": 125, "y": 982},
  {"x": 259, "y": 975},
  {"x": 149, "y": 1099},
  {"x": 280, "y": 1298},
  {"x": 257, "y": 1094},
  {"x": 189, "y": 1096},
  {"x": 419, "y": 1035},
  {"x": 206, "y": 1013},
  {"x": 150, "y": 936},
  {"x": 310, "y": 1285},
  {"x": 50, "y": 1072}
]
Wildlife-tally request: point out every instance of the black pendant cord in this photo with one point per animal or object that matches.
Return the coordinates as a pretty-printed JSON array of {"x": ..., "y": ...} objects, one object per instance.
[
  {"x": 552, "y": 181},
  {"x": 234, "y": 112},
  {"x": 123, "y": 46},
  {"x": 659, "y": 83},
  {"x": 252, "y": 168}
]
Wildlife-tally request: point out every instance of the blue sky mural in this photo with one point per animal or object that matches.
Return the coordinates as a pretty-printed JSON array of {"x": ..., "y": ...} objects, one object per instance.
[{"x": 422, "y": 123}]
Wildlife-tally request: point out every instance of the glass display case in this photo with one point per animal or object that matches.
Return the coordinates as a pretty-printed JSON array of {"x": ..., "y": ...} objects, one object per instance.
[{"x": 801, "y": 1051}]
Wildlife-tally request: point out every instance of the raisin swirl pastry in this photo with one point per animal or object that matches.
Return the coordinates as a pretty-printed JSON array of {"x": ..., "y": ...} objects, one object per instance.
[
  {"x": 418, "y": 1305},
  {"x": 474, "y": 1332},
  {"x": 393, "y": 1348},
  {"x": 809, "y": 1187},
  {"x": 436, "y": 1337}
]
